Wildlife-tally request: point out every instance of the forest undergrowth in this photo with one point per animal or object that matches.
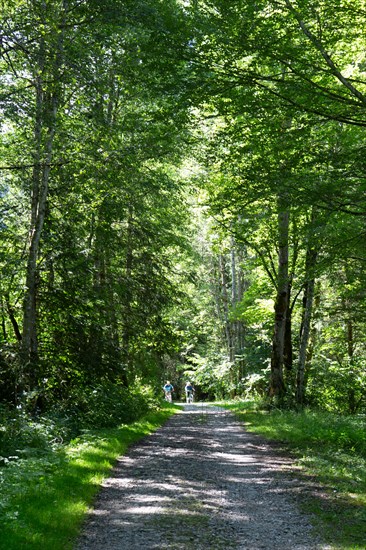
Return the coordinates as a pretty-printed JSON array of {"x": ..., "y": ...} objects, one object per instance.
[
  {"x": 331, "y": 449},
  {"x": 47, "y": 484}
]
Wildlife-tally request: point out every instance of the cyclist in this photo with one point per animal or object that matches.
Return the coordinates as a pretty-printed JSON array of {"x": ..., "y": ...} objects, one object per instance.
[
  {"x": 189, "y": 389},
  {"x": 168, "y": 389}
]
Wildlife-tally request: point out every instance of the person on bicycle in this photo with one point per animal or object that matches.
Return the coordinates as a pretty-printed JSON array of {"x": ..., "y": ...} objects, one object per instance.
[
  {"x": 168, "y": 389},
  {"x": 189, "y": 389}
]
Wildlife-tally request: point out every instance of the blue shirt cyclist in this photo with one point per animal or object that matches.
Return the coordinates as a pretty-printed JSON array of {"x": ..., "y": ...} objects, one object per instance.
[{"x": 168, "y": 388}]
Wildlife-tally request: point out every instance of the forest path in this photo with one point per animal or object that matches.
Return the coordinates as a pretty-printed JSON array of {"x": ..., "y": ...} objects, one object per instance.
[{"x": 200, "y": 482}]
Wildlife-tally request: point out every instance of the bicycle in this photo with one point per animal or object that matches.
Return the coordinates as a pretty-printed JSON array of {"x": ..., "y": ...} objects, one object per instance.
[
  {"x": 189, "y": 396},
  {"x": 168, "y": 396}
]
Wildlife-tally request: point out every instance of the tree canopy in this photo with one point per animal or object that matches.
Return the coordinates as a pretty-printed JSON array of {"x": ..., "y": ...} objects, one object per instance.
[{"x": 182, "y": 190}]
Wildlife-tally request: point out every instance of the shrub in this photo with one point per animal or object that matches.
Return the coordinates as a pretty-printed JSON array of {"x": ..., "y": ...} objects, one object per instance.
[
  {"x": 105, "y": 404},
  {"x": 25, "y": 434}
]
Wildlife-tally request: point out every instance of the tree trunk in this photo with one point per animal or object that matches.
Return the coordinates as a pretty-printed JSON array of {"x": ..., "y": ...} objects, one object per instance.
[
  {"x": 305, "y": 326},
  {"x": 234, "y": 324},
  {"x": 240, "y": 329},
  {"x": 47, "y": 97},
  {"x": 313, "y": 329},
  {"x": 351, "y": 394},
  {"x": 352, "y": 402},
  {"x": 3, "y": 325},
  {"x": 12, "y": 318},
  {"x": 39, "y": 203},
  {"x": 126, "y": 334},
  {"x": 287, "y": 349},
  {"x": 225, "y": 302},
  {"x": 277, "y": 386},
  {"x": 234, "y": 292},
  {"x": 305, "y": 347}
]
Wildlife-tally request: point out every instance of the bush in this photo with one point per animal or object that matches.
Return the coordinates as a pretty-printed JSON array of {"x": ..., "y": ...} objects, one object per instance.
[
  {"x": 338, "y": 388},
  {"x": 105, "y": 405},
  {"x": 22, "y": 433}
]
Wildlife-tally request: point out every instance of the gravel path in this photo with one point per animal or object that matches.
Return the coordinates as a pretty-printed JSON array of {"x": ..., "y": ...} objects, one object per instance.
[{"x": 200, "y": 482}]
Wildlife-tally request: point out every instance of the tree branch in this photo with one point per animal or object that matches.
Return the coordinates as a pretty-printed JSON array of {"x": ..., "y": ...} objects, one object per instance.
[
  {"x": 25, "y": 166},
  {"x": 329, "y": 61}
]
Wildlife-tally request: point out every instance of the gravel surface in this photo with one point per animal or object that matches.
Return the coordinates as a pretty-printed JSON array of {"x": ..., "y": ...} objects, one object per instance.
[{"x": 200, "y": 482}]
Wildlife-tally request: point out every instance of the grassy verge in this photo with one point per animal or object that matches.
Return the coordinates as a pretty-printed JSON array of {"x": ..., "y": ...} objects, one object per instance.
[
  {"x": 332, "y": 449},
  {"x": 44, "y": 499}
]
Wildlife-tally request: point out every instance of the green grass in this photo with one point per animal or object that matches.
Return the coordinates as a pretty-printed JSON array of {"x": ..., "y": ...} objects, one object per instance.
[
  {"x": 44, "y": 498},
  {"x": 332, "y": 452}
]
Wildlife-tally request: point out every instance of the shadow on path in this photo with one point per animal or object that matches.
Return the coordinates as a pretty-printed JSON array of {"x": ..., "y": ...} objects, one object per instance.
[{"x": 199, "y": 482}]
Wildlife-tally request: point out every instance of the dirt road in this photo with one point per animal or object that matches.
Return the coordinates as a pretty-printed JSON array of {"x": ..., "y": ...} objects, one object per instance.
[{"x": 200, "y": 482}]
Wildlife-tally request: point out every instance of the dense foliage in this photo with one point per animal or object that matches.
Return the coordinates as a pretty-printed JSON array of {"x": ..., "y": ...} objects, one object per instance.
[
  {"x": 281, "y": 147},
  {"x": 182, "y": 195},
  {"x": 93, "y": 214}
]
